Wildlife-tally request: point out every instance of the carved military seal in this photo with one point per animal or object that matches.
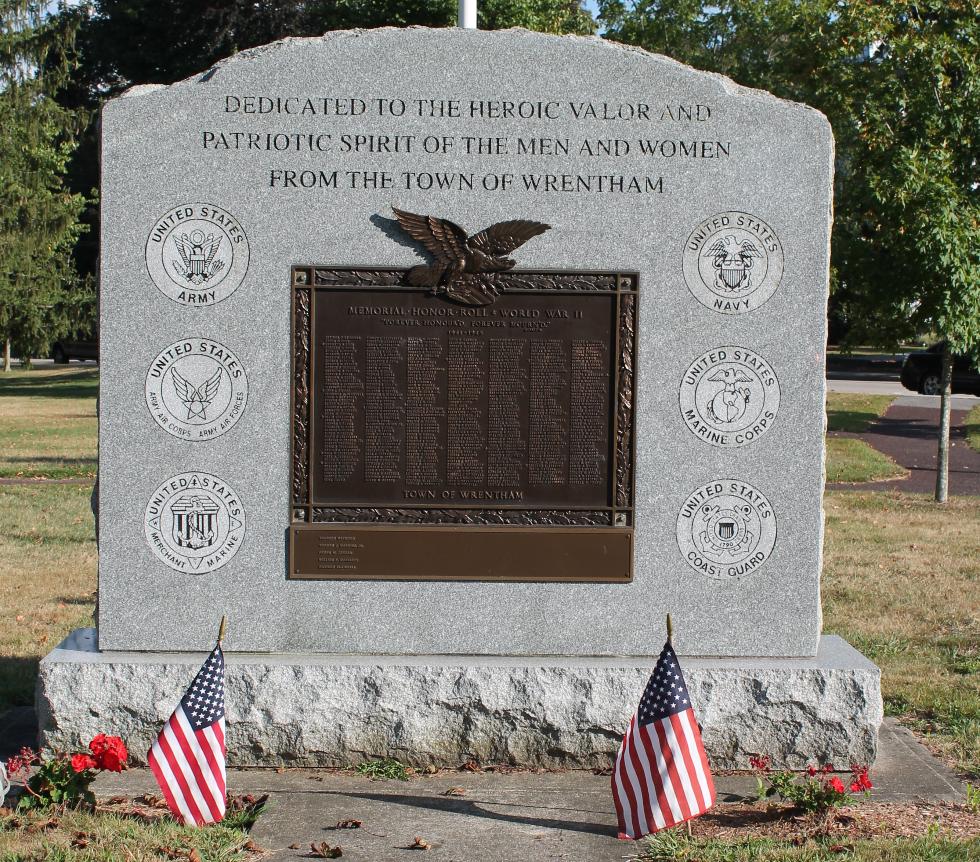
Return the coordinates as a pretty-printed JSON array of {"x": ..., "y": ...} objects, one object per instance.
[
  {"x": 729, "y": 396},
  {"x": 733, "y": 262},
  {"x": 194, "y": 523},
  {"x": 197, "y": 254},
  {"x": 196, "y": 389},
  {"x": 726, "y": 529}
]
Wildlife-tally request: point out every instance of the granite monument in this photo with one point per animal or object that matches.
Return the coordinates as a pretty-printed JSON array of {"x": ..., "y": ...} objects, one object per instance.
[{"x": 446, "y": 363}]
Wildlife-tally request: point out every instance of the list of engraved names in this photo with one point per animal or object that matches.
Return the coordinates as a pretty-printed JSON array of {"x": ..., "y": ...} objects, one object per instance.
[{"x": 422, "y": 402}]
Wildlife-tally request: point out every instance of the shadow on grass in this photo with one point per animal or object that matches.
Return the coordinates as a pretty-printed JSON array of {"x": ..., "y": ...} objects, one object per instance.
[
  {"x": 854, "y": 421},
  {"x": 17, "y": 677},
  {"x": 84, "y": 384}
]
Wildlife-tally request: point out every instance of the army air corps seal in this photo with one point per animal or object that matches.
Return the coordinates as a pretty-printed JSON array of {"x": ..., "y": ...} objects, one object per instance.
[
  {"x": 196, "y": 389},
  {"x": 197, "y": 254},
  {"x": 194, "y": 523},
  {"x": 733, "y": 262},
  {"x": 726, "y": 529},
  {"x": 729, "y": 396}
]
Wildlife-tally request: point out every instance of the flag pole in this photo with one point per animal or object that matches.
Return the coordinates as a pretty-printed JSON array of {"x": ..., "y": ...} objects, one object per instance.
[
  {"x": 670, "y": 629},
  {"x": 221, "y": 629},
  {"x": 467, "y": 14}
]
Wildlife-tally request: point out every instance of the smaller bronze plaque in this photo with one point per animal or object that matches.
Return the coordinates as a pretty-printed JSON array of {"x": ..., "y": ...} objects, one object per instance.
[{"x": 418, "y": 553}]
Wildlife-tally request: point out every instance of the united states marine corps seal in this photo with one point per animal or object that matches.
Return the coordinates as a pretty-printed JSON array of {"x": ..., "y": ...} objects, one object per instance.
[
  {"x": 729, "y": 396},
  {"x": 726, "y": 529},
  {"x": 194, "y": 523},
  {"x": 196, "y": 389},
  {"x": 197, "y": 254},
  {"x": 733, "y": 262}
]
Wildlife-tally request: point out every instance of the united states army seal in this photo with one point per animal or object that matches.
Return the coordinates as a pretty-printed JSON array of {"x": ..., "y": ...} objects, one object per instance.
[
  {"x": 726, "y": 529},
  {"x": 196, "y": 389},
  {"x": 194, "y": 523},
  {"x": 197, "y": 254},
  {"x": 733, "y": 262},
  {"x": 729, "y": 396}
]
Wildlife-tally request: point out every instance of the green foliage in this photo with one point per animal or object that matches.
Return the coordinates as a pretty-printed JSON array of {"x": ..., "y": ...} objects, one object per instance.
[
  {"x": 38, "y": 215},
  {"x": 387, "y": 769},
  {"x": 900, "y": 83},
  {"x": 55, "y": 782},
  {"x": 673, "y": 846}
]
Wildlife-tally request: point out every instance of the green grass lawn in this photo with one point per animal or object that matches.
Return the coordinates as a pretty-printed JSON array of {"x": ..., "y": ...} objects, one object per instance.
[
  {"x": 852, "y": 411},
  {"x": 103, "y": 836},
  {"x": 669, "y": 847},
  {"x": 48, "y": 424},
  {"x": 972, "y": 426},
  {"x": 900, "y": 583},
  {"x": 854, "y": 461}
]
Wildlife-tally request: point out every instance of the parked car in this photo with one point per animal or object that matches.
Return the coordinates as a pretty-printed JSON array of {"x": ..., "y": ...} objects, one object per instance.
[
  {"x": 922, "y": 372},
  {"x": 63, "y": 352}
]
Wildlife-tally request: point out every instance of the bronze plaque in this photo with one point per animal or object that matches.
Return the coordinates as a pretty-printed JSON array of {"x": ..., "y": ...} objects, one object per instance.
[{"x": 487, "y": 441}]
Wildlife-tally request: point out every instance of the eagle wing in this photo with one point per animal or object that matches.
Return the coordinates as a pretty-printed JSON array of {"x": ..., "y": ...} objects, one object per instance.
[
  {"x": 445, "y": 240},
  {"x": 185, "y": 392},
  {"x": 503, "y": 237},
  {"x": 183, "y": 247},
  {"x": 210, "y": 387}
]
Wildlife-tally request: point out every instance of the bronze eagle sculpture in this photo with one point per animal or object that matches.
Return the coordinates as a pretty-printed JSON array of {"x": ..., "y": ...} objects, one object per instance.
[{"x": 464, "y": 267}]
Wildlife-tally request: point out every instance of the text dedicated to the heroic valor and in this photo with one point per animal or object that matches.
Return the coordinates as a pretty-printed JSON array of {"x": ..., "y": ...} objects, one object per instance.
[{"x": 326, "y": 142}]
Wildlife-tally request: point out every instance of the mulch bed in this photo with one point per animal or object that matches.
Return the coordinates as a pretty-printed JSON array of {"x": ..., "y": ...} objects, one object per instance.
[{"x": 868, "y": 820}]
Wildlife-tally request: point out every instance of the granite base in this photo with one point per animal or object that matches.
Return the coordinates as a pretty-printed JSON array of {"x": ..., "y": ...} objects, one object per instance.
[{"x": 329, "y": 710}]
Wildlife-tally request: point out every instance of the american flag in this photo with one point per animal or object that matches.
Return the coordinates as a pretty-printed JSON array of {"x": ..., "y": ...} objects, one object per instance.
[
  {"x": 188, "y": 758},
  {"x": 661, "y": 776}
]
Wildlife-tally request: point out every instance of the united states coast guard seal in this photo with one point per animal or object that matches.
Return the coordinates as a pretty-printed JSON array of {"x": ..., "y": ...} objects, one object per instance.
[
  {"x": 729, "y": 397},
  {"x": 733, "y": 262},
  {"x": 196, "y": 389},
  {"x": 195, "y": 523},
  {"x": 197, "y": 254},
  {"x": 726, "y": 529}
]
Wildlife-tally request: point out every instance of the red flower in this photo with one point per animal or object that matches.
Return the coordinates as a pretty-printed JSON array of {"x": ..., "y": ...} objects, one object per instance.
[
  {"x": 759, "y": 761},
  {"x": 811, "y": 771},
  {"x": 836, "y": 785},
  {"x": 856, "y": 787},
  {"x": 110, "y": 752},
  {"x": 828, "y": 767},
  {"x": 81, "y": 762}
]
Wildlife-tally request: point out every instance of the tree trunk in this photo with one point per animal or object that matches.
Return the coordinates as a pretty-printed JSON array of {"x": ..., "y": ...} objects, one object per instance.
[
  {"x": 6, "y": 354},
  {"x": 942, "y": 462}
]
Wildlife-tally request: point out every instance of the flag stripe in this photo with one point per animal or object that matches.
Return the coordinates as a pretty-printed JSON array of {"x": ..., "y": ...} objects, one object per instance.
[
  {"x": 171, "y": 786},
  {"x": 633, "y": 827},
  {"x": 690, "y": 761},
  {"x": 651, "y": 801},
  {"x": 188, "y": 756},
  {"x": 643, "y": 798},
  {"x": 684, "y": 766},
  {"x": 670, "y": 764},
  {"x": 700, "y": 760},
  {"x": 170, "y": 749},
  {"x": 198, "y": 764},
  {"x": 662, "y": 816},
  {"x": 659, "y": 752},
  {"x": 638, "y": 817},
  {"x": 171, "y": 792},
  {"x": 214, "y": 751},
  {"x": 661, "y": 777}
]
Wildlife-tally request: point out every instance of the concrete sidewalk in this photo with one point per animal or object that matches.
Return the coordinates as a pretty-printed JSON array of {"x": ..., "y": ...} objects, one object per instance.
[{"x": 504, "y": 817}]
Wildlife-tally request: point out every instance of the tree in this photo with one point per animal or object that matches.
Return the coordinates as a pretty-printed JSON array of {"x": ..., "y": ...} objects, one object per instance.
[
  {"x": 126, "y": 42},
  {"x": 900, "y": 83},
  {"x": 38, "y": 215}
]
